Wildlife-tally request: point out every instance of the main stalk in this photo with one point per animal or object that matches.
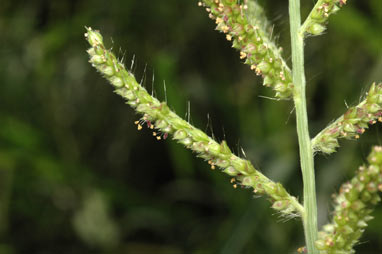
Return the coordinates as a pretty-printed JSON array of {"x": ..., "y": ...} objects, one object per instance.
[{"x": 306, "y": 152}]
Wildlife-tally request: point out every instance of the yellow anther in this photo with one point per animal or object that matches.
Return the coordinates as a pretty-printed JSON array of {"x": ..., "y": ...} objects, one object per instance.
[
  {"x": 225, "y": 29},
  {"x": 228, "y": 37},
  {"x": 154, "y": 133},
  {"x": 159, "y": 138},
  {"x": 232, "y": 180},
  {"x": 235, "y": 186},
  {"x": 258, "y": 71},
  {"x": 219, "y": 20},
  {"x": 136, "y": 122},
  {"x": 139, "y": 127},
  {"x": 243, "y": 55},
  {"x": 212, "y": 166},
  {"x": 301, "y": 250}
]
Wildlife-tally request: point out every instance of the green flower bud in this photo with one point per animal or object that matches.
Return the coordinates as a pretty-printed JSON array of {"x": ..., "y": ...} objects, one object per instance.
[
  {"x": 161, "y": 124},
  {"x": 222, "y": 163},
  {"x": 357, "y": 205},
  {"x": 179, "y": 135},
  {"x": 213, "y": 148},
  {"x": 186, "y": 141},
  {"x": 116, "y": 81},
  {"x": 281, "y": 205},
  {"x": 107, "y": 70},
  {"x": 320, "y": 245},
  {"x": 97, "y": 59},
  {"x": 199, "y": 146},
  {"x": 249, "y": 181},
  {"x": 94, "y": 38},
  {"x": 231, "y": 171},
  {"x": 199, "y": 135},
  {"x": 316, "y": 29},
  {"x": 361, "y": 224},
  {"x": 224, "y": 149},
  {"x": 143, "y": 107}
]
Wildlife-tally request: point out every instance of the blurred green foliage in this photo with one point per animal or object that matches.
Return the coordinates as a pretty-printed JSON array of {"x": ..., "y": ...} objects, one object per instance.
[{"x": 76, "y": 176}]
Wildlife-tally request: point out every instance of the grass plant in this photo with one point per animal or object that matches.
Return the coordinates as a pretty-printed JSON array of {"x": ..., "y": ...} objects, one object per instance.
[{"x": 245, "y": 25}]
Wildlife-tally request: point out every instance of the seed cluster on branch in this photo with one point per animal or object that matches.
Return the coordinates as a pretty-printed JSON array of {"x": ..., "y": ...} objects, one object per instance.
[
  {"x": 164, "y": 122},
  {"x": 353, "y": 205},
  {"x": 246, "y": 27},
  {"x": 318, "y": 17},
  {"x": 353, "y": 123}
]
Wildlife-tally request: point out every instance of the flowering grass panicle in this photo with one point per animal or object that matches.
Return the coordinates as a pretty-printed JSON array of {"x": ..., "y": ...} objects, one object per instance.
[
  {"x": 246, "y": 26},
  {"x": 315, "y": 23},
  {"x": 353, "y": 123},
  {"x": 158, "y": 117},
  {"x": 353, "y": 205}
]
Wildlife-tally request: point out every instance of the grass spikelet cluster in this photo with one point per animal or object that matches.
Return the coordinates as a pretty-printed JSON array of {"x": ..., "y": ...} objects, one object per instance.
[
  {"x": 353, "y": 123},
  {"x": 315, "y": 24},
  {"x": 353, "y": 205},
  {"x": 164, "y": 122},
  {"x": 246, "y": 27}
]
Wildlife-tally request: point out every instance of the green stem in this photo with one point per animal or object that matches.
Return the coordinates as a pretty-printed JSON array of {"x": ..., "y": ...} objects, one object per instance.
[{"x": 306, "y": 151}]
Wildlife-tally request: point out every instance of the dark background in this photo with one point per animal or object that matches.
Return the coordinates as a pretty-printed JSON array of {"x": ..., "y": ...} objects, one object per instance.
[{"x": 77, "y": 177}]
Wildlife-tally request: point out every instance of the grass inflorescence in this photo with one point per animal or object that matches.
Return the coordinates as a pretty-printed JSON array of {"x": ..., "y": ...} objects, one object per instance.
[
  {"x": 159, "y": 118},
  {"x": 245, "y": 25}
]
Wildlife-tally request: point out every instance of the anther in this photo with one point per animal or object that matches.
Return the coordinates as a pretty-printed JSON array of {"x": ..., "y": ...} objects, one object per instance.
[{"x": 225, "y": 29}]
